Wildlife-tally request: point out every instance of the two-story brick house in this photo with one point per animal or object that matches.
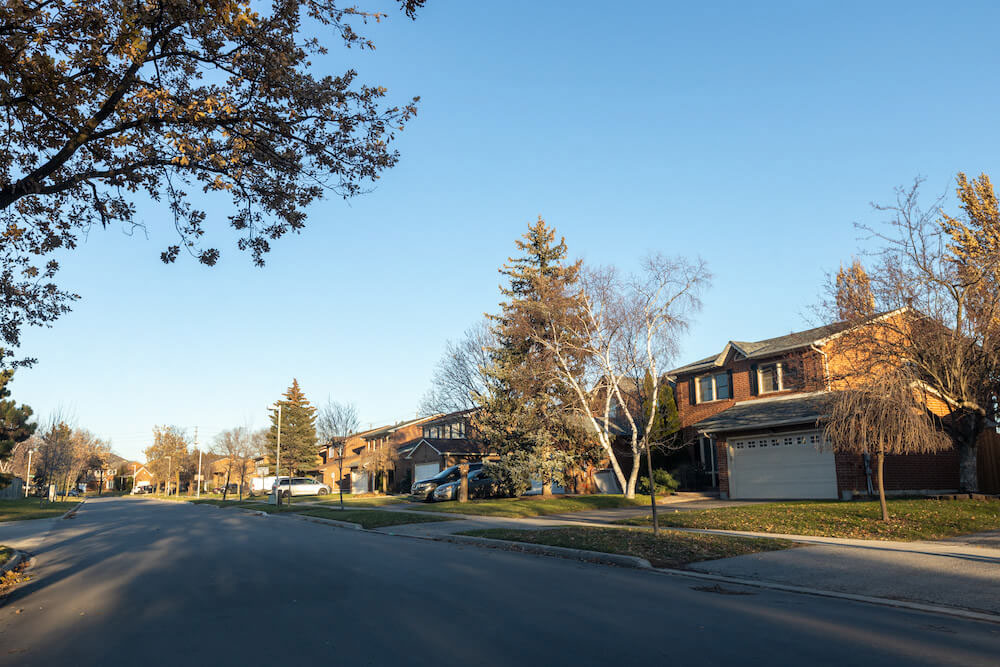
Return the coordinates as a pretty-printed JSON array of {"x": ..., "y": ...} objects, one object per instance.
[
  {"x": 754, "y": 414},
  {"x": 357, "y": 477},
  {"x": 444, "y": 441}
]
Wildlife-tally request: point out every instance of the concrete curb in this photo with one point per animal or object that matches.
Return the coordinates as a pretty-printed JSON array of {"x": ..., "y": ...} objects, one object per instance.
[
  {"x": 12, "y": 562},
  {"x": 72, "y": 509},
  {"x": 803, "y": 590},
  {"x": 329, "y": 522},
  {"x": 559, "y": 552}
]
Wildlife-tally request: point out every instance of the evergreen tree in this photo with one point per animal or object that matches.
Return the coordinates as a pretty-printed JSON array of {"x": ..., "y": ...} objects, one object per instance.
[
  {"x": 14, "y": 426},
  {"x": 666, "y": 422},
  {"x": 299, "y": 448},
  {"x": 524, "y": 407}
]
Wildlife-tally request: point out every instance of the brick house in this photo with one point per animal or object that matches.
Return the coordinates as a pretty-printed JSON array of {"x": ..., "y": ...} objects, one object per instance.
[
  {"x": 444, "y": 441},
  {"x": 356, "y": 478},
  {"x": 752, "y": 413}
]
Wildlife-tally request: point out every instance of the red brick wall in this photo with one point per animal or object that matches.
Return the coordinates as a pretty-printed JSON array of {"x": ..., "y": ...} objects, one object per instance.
[{"x": 813, "y": 378}]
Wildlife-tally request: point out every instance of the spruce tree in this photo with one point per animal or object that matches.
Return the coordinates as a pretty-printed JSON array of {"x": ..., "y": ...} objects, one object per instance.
[
  {"x": 14, "y": 426},
  {"x": 299, "y": 448},
  {"x": 524, "y": 407}
]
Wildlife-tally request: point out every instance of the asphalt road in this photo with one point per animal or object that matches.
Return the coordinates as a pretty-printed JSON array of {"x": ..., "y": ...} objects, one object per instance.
[{"x": 140, "y": 582}]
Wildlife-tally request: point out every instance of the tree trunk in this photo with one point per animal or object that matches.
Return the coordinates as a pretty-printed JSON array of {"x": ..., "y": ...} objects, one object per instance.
[
  {"x": 966, "y": 442},
  {"x": 881, "y": 485},
  {"x": 652, "y": 490}
]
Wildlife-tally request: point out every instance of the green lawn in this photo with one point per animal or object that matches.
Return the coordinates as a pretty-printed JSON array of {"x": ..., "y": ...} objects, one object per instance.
[
  {"x": 28, "y": 508},
  {"x": 360, "y": 501},
  {"x": 527, "y": 507},
  {"x": 366, "y": 518},
  {"x": 920, "y": 519},
  {"x": 670, "y": 549}
]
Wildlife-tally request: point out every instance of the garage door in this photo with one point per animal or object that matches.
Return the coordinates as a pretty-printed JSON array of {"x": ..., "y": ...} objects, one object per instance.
[
  {"x": 789, "y": 465},
  {"x": 422, "y": 471},
  {"x": 359, "y": 482}
]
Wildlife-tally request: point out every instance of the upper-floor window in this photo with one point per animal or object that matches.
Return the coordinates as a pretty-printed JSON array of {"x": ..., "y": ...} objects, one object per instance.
[
  {"x": 450, "y": 430},
  {"x": 713, "y": 388},
  {"x": 770, "y": 378}
]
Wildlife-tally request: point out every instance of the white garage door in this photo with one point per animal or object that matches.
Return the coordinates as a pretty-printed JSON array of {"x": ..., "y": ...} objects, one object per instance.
[
  {"x": 422, "y": 471},
  {"x": 359, "y": 482},
  {"x": 788, "y": 465}
]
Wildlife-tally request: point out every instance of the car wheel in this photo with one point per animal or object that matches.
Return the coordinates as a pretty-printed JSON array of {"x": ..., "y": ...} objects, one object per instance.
[
  {"x": 285, "y": 494},
  {"x": 323, "y": 491}
]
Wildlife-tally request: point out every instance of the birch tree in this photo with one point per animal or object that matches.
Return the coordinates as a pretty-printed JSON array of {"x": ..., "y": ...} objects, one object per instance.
[{"x": 624, "y": 328}]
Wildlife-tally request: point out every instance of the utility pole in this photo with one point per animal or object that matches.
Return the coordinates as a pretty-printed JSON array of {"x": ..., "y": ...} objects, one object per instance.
[
  {"x": 169, "y": 461},
  {"x": 27, "y": 474},
  {"x": 133, "y": 479},
  {"x": 198, "y": 492}
]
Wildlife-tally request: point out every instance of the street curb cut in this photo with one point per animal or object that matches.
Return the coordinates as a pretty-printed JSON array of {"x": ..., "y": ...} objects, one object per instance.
[
  {"x": 818, "y": 592},
  {"x": 559, "y": 552},
  {"x": 72, "y": 509},
  {"x": 12, "y": 562},
  {"x": 329, "y": 522}
]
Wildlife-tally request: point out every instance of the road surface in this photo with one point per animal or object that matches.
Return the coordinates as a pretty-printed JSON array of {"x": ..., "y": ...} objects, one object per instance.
[{"x": 143, "y": 582}]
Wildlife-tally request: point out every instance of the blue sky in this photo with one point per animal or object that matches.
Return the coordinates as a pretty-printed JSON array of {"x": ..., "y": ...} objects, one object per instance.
[{"x": 753, "y": 136}]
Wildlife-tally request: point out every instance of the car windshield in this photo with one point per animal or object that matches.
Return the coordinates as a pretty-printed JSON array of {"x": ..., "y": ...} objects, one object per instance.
[{"x": 445, "y": 474}]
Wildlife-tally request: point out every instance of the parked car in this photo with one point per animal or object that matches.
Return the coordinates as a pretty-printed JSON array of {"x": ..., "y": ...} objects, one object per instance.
[
  {"x": 233, "y": 488},
  {"x": 424, "y": 489},
  {"x": 480, "y": 486},
  {"x": 301, "y": 486},
  {"x": 75, "y": 493}
]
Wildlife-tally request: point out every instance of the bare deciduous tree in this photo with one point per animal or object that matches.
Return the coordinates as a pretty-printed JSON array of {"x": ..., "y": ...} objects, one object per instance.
[
  {"x": 936, "y": 280},
  {"x": 888, "y": 417},
  {"x": 625, "y": 327},
  {"x": 236, "y": 446},
  {"x": 335, "y": 423},
  {"x": 460, "y": 374}
]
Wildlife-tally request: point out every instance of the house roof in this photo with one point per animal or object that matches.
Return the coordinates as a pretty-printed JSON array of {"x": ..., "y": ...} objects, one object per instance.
[
  {"x": 766, "y": 348},
  {"x": 386, "y": 430},
  {"x": 767, "y": 413},
  {"x": 454, "y": 446},
  {"x": 450, "y": 416}
]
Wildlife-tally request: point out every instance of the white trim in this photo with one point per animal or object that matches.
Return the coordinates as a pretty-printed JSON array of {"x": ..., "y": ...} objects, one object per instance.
[
  {"x": 715, "y": 387},
  {"x": 779, "y": 367},
  {"x": 423, "y": 441}
]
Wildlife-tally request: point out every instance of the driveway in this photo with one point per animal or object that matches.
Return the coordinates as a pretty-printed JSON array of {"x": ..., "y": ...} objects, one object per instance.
[{"x": 173, "y": 583}]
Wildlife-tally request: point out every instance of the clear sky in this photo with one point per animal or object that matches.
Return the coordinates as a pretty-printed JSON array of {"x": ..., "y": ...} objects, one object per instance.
[{"x": 751, "y": 134}]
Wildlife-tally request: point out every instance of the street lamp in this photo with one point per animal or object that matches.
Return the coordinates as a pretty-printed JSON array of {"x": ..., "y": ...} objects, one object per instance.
[
  {"x": 277, "y": 464},
  {"x": 339, "y": 448}
]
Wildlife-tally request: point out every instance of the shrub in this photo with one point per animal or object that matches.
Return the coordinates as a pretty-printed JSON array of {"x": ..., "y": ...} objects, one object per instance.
[
  {"x": 512, "y": 474},
  {"x": 663, "y": 480}
]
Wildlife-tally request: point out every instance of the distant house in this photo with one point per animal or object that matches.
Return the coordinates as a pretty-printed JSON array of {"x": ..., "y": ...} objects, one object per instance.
[
  {"x": 141, "y": 476},
  {"x": 444, "y": 441},
  {"x": 104, "y": 479},
  {"x": 754, "y": 413},
  {"x": 357, "y": 477}
]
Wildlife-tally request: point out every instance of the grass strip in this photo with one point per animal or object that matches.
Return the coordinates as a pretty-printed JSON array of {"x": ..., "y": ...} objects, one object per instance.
[
  {"x": 669, "y": 549},
  {"x": 910, "y": 519},
  {"x": 23, "y": 509},
  {"x": 528, "y": 507}
]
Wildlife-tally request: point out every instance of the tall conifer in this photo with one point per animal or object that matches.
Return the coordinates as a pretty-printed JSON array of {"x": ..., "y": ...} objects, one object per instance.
[
  {"x": 524, "y": 407},
  {"x": 299, "y": 447}
]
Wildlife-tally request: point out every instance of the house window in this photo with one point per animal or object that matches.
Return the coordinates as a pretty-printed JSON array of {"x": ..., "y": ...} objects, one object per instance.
[
  {"x": 769, "y": 378},
  {"x": 714, "y": 388}
]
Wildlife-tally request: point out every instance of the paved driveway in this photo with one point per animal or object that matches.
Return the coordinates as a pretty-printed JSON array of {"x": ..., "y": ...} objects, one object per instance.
[{"x": 171, "y": 583}]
